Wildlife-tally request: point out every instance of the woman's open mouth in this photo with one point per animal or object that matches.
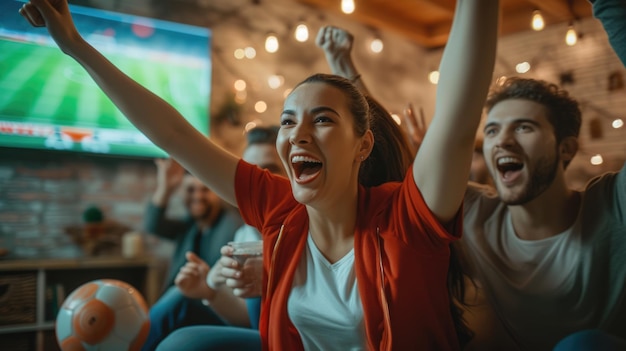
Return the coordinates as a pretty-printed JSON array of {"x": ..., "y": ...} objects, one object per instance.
[{"x": 306, "y": 168}]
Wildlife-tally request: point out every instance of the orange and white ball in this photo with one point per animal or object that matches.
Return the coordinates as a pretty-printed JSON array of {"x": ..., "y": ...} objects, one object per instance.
[{"x": 103, "y": 315}]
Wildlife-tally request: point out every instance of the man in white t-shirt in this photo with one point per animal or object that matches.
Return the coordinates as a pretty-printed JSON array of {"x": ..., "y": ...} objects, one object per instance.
[{"x": 549, "y": 261}]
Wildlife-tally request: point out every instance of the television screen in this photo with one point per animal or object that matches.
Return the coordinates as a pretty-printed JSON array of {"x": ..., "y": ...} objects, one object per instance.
[{"x": 48, "y": 101}]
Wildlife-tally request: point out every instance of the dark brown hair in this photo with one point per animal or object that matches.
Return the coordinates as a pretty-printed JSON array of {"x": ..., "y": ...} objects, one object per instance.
[
  {"x": 389, "y": 161},
  {"x": 563, "y": 111},
  {"x": 262, "y": 135}
]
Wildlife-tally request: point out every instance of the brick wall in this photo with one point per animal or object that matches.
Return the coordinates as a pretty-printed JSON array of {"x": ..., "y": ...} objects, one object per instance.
[{"x": 43, "y": 192}]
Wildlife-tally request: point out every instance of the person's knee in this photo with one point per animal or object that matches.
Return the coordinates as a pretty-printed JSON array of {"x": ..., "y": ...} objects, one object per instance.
[
  {"x": 591, "y": 339},
  {"x": 216, "y": 338},
  {"x": 174, "y": 340}
]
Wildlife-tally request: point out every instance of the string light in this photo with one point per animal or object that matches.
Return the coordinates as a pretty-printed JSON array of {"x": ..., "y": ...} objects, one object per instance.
[
  {"x": 271, "y": 44},
  {"x": 240, "y": 85},
  {"x": 249, "y": 126},
  {"x": 376, "y": 46},
  {"x": 501, "y": 80},
  {"x": 240, "y": 54},
  {"x": 396, "y": 119},
  {"x": 275, "y": 81},
  {"x": 617, "y": 123},
  {"x": 250, "y": 52},
  {"x": 596, "y": 160},
  {"x": 260, "y": 106},
  {"x": 241, "y": 96},
  {"x": 571, "y": 37},
  {"x": 287, "y": 92},
  {"x": 522, "y": 67},
  {"x": 433, "y": 77},
  {"x": 347, "y": 6},
  {"x": 302, "y": 33},
  {"x": 537, "y": 23}
]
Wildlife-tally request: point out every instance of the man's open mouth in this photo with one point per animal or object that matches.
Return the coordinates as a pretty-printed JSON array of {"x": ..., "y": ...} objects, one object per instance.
[{"x": 509, "y": 167}]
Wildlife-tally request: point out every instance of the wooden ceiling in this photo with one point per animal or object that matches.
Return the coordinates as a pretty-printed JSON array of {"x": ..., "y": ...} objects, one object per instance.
[{"x": 427, "y": 22}]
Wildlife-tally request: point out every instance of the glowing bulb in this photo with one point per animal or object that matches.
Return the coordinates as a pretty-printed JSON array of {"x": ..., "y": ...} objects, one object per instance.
[
  {"x": 302, "y": 33},
  {"x": 260, "y": 106},
  {"x": 433, "y": 77},
  {"x": 596, "y": 160},
  {"x": 240, "y": 85},
  {"x": 239, "y": 54},
  {"x": 522, "y": 67},
  {"x": 571, "y": 37},
  {"x": 396, "y": 118},
  {"x": 250, "y": 52},
  {"x": 618, "y": 123},
  {"x": 271, "y": 43},
  {"x": 240, "y": 97},
  {"x": 249, "y": 126},
  {"x": 275, "y": 81},
  {"x": 537, "y": 22},
  {"x": 376, "y": 46},
  {"x": 347, "y": 6}
]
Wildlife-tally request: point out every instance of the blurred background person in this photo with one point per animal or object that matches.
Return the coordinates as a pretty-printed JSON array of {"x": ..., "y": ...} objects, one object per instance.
[{"x": 208, "y": 225}]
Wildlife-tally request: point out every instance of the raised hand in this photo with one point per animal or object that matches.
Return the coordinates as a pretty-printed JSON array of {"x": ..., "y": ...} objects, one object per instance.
[
  {"x": 55, "y": 15},
  {"x": 337, "y": 46},
  {"x": 170, "y": 175},
  {"x": 191, "y": 279},
  {"x": 415, "y": 126},
  {"x": 246, "y": 280},
  {"x": 334, "y": 41}
]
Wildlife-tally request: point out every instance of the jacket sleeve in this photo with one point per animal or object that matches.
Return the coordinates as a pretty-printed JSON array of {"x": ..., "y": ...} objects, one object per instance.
[
  {"x": 417, "y": 224},
  {"x": 264, "y": 199},
  {"x": 155, "y": 222},
  {"x": 611, "y": 14}
]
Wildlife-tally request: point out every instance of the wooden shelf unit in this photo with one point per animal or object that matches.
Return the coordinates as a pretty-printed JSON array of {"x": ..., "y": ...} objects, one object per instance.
[{"x": 144, "y": 273}]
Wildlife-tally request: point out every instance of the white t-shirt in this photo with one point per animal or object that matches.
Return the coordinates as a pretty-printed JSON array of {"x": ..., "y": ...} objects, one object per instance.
[
  {"x": 541, "y": 291},
  {"x": 246, "y": 233},
  {"x": 324, "y": 303}
]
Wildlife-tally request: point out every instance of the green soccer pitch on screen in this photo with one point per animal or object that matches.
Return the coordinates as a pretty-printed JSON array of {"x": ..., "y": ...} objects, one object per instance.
[{"x": 47, "y": 100}]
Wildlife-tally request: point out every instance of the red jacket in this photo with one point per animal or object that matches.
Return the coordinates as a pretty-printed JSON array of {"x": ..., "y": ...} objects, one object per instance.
[{"x": 401, "y": 254}]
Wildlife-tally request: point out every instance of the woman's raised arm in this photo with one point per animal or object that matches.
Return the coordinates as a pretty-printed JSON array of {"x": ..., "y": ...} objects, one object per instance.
[
  {"x": 157, "y": 119},
  {"x": 442, "y": 165}
]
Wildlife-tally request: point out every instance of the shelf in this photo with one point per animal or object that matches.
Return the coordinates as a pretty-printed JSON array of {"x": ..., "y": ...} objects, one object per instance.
[
  {"x": 7, "y": 329},
  {"x": 73, "y": 263}
]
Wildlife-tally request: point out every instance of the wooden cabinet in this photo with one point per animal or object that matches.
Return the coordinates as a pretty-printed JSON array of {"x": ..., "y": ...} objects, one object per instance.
[{"x": 31, "y": 292}]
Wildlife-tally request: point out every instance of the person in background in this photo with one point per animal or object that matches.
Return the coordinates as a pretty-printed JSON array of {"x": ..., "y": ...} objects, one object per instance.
[
  {"x": 223, "y": 286},
  {"x": 388, "y": 240},
  {"x": 180, "y": 305},
  {"x": 261, "y": 151},
  {"x": 207, "y": 227}
]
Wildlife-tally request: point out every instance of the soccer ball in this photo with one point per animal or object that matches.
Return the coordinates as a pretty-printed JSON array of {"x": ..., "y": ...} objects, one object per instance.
[{"x": 103, "y": 315}]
